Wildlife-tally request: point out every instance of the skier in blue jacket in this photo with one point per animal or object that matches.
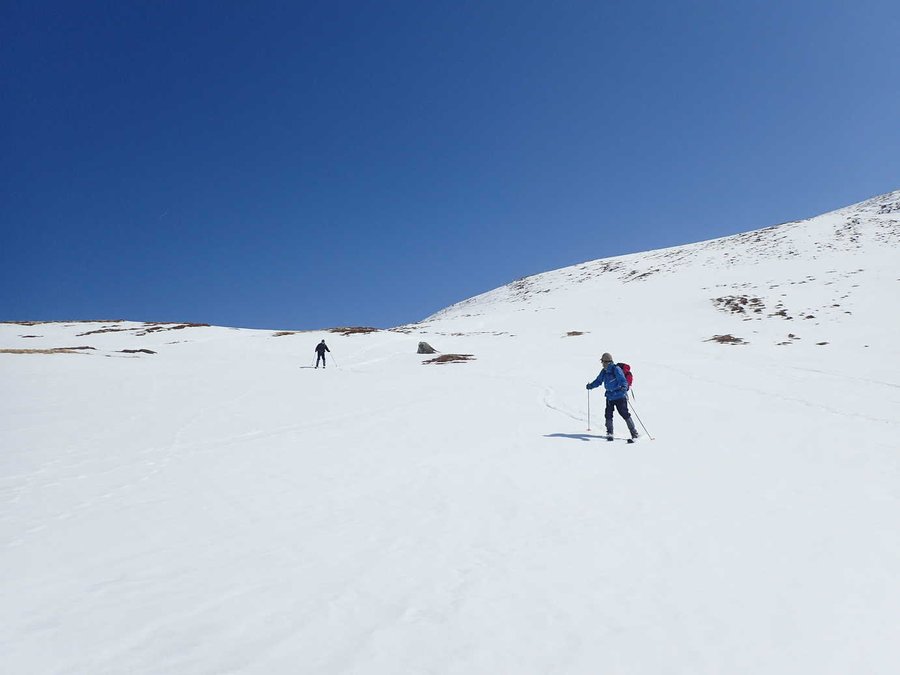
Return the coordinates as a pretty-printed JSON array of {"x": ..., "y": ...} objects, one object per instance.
[{"x": 613, "y": 379}]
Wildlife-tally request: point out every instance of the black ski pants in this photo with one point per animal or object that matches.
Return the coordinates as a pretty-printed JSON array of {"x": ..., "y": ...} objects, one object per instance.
[
  {"x": 620, "y": 404},
  {"x": 320, "y": 357}
]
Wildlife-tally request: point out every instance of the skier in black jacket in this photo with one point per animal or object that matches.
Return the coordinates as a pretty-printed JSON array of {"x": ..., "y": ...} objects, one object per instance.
[{"x": 321, "y": 348}]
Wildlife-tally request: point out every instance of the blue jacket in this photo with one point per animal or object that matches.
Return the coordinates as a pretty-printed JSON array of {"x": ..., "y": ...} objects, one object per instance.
[{"x": 614, "y": 380}]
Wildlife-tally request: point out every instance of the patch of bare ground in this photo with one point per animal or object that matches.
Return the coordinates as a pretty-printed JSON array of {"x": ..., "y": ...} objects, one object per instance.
[
  {"x": 524, "y": 288},
  {"x": 53, "y": 350},
  {"x": 282, "y": 333},
  {"x": 635, "y": 275},
  {"x": 450, "y": 358},
  {"x": 496, "y": 333},
  {"x": 780, "y": 311},
  {"x": 574, "y": 333},
  {"x": 160, "y": 326},
  {"x": 154, "y": 327},
  {"x": 821, "y": 344},
  {"x": 43, "y": 323},
  {"x": 103, "y": 330},
  {"x": 739, "y": 304},
  {"x": 727, "y": 340},
  {"x": 354, "y": 330},
  {"x": 791, "y": 339},
  {"x": 136, "y": 351},
  {"x": 587, "y": 271},
  {"x": 888, "y": 232}
]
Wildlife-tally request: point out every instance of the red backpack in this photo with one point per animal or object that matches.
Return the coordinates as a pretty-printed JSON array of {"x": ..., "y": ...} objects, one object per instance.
[{"x": 626, "y": 371}]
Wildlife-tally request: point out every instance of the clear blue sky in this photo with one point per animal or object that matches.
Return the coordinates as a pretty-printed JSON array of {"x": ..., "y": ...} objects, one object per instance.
[{"x": 311, "y": 164}]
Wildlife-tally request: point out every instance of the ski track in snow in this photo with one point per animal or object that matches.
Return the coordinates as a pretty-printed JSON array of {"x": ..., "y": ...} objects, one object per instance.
[
  {"x": 839, "y": 412},
  {"x": 847, "y": 376}
]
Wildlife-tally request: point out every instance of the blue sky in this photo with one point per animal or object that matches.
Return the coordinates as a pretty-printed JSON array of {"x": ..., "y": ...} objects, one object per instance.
[{"x": 313, "y": 164}]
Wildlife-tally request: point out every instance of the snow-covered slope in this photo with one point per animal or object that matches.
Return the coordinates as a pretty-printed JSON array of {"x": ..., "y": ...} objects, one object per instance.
[{"x": 219, "y": 506}]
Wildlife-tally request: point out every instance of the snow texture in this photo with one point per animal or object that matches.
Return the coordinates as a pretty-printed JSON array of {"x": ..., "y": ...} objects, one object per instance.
[{"x": 207, "y": 502}]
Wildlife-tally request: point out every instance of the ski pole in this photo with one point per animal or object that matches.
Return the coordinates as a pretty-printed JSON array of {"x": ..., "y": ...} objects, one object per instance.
[
  {"x": 589, "y": 409},
  {"x": 642, "y": 424},
  {"x": 334, "y": 362}
]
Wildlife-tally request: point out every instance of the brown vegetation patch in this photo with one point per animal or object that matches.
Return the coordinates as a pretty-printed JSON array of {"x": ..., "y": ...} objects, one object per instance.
[
  {"x": 354, "y": 330},
  {"x": 42, "y": 323},
  {"x": 573, "y": 333},
  {"x": 136, "y": 351},
  {"x": 282, "y": 333},
  {"x": 158, "y": 327},
  {"x": 103, "y": 330},
  {"x": 450, "y": 358},
  {"x": 727, "y": 340},
  {"x": 53, "y": 350},
  {"x": 147, "y": 328}
]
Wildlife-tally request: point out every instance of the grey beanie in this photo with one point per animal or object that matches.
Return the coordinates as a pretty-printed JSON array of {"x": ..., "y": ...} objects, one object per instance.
[{"x": 606, "y": 357}]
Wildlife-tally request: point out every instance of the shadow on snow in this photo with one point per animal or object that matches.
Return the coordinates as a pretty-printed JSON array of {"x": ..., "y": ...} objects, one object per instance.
[{"x": 577, "y": 437}]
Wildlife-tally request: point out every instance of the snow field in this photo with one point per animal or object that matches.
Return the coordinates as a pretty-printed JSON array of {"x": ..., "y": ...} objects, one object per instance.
[{"x": 221, "y": 507}]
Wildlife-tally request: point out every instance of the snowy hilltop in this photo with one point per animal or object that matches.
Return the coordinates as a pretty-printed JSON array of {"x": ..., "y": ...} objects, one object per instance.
[{"x": 182, "y": 498}]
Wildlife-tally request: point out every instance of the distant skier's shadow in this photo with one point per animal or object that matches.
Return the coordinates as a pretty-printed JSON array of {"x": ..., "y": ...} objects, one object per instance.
[{"x": 576, "y": 437}]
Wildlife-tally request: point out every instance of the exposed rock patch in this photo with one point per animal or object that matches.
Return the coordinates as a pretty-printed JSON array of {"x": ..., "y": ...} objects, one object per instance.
[
  {"x": 451, "y": 358},
  {"x": 353, "y": 330},
  {"x": 739, "y": 304},
  {"x": 727, "y": 340}
]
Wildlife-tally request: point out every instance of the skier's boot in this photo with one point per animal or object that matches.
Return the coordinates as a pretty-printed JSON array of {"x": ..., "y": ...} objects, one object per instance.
[
  {"x": 609, "y": 431},
  {"x": 632, "y": 429}
]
